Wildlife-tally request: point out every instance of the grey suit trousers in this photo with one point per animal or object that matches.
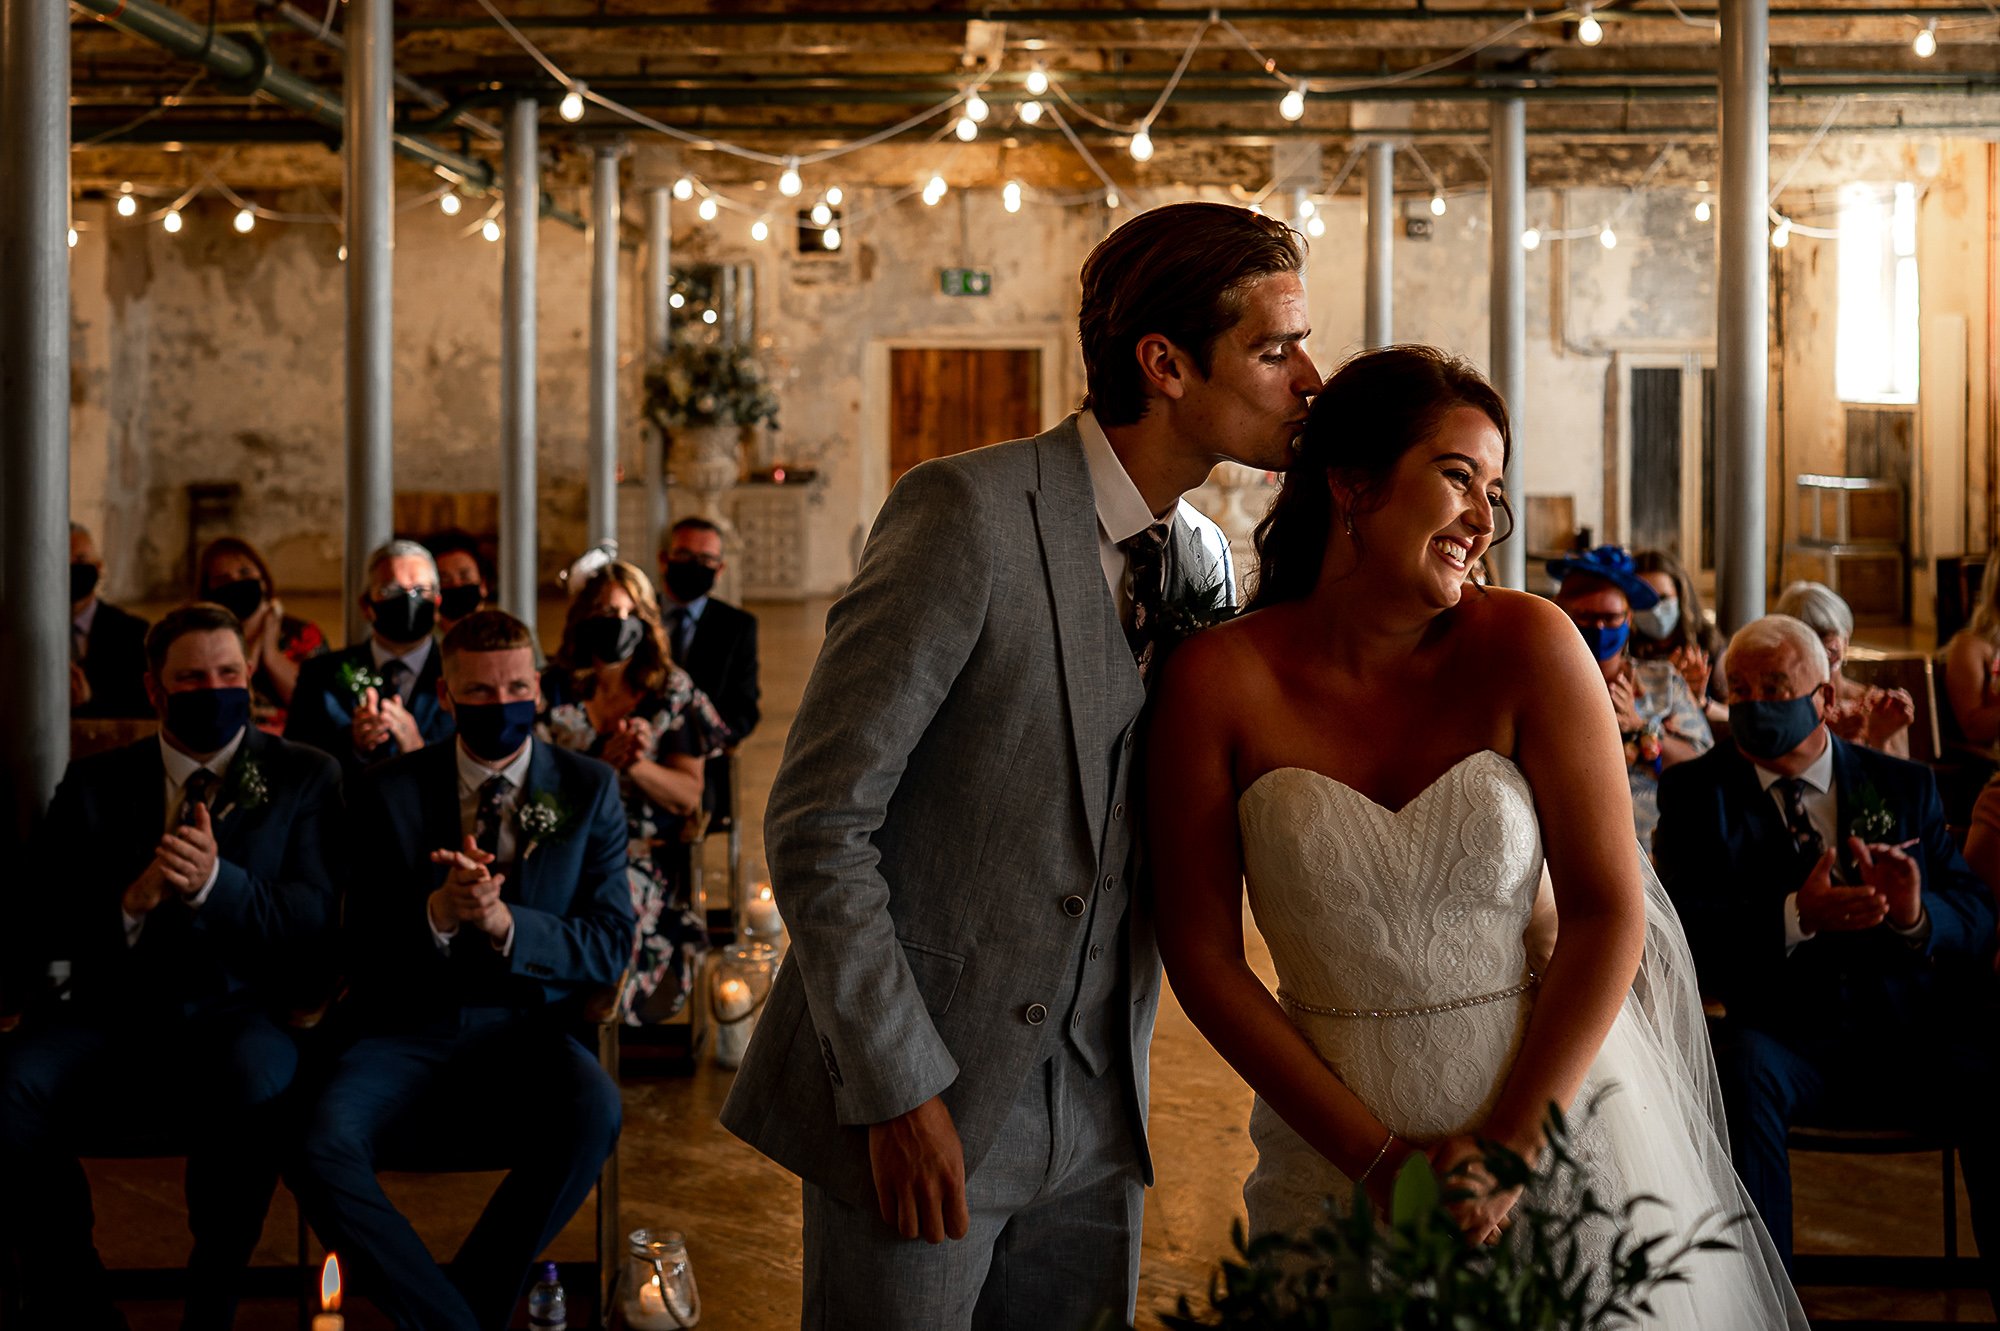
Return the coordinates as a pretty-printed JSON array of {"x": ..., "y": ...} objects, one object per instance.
[{"x": 1056, "y": 1207}]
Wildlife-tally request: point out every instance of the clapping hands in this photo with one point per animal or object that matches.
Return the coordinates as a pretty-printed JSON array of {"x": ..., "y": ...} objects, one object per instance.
[
  {"x": 1891, "y": 889},
  {"x": 471, "y": 893},
  {"x": 630, "y": 743},
  {"x": 378, "y": 720},
  {"x": 183, "y": 861}
]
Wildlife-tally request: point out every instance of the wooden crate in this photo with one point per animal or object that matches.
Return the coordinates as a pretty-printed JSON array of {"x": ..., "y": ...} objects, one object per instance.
[
  {"x": 1849, "y": 510},
  {"x": 1872, "y": 579}
]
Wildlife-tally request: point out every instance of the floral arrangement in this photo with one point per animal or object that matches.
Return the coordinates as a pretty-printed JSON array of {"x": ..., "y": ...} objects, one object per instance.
[{"x": 709, "y": 384}]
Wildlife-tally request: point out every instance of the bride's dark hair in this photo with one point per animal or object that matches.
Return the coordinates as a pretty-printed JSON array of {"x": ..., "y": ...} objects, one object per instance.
[{"x": 1377, "y": 406}]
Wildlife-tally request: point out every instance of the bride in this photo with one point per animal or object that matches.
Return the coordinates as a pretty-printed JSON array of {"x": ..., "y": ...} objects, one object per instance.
[{"x": 1385, "y": 754}]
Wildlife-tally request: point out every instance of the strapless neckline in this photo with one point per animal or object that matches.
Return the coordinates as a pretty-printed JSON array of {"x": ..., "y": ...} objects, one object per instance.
[{"x": 1414, "y": 800}]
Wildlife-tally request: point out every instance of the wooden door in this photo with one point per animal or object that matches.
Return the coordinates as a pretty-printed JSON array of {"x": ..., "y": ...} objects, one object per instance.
[{"x": 946, "y": 400}]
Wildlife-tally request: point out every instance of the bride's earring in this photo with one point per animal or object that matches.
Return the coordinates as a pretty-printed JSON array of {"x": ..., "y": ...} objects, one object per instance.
[{"x": 1350, "y": 524}]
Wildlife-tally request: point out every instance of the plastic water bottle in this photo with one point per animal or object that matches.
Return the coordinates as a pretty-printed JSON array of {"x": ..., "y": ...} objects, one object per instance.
[{"x": 548, "y": 1308}]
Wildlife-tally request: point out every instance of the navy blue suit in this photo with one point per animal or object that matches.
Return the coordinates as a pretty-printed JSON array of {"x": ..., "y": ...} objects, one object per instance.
[
  {"x": 322, "y": 710},
  {"x": 195, "y": 1005},
  {"x": 114, "y": 661},
  {"x": 466, "y": 1037},
  {"x": 1862, "y": 1025}
]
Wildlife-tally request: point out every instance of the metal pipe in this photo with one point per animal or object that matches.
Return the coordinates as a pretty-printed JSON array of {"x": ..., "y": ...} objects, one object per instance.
[
  {"x": 522, "y": 174},
  {"x": 1742, "y": 279},
  {"x": 34, "y": 405},
  {"x": 369, "y": 201},
  {"x": 249, "y": 66},
  {"x": 659, "y": 337},
  {"x": 1508, "y": 310},
  {"x": 1378, "y": 321},
  {"x": 603, "y": 469},
  {"x": 406, "y": 85}
]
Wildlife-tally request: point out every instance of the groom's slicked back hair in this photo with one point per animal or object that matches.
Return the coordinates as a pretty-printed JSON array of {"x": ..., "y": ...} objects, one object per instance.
[{"x": 1181, "y": 271}]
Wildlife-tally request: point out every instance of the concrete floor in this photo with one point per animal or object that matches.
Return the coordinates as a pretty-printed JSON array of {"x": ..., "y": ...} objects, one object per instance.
[{"x": 740, "y": 1213}]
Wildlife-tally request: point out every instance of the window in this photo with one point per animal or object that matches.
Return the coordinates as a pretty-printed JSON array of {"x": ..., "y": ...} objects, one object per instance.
[{"x": 1876, "y": 333}]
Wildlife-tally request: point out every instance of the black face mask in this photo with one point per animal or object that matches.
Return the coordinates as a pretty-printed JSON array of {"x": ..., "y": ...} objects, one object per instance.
[
  {"x": 404, "y": 618},
  {"x": 207, "y": 719},
  {"x": 608, "y": 639},
  {"x": 240, "y": 598},
  {"x": 456, "y": 603},
  {"x": 82, "y": 581},
  {"x": 689, "y": 580},
  {"x": 494, "y": 730}
]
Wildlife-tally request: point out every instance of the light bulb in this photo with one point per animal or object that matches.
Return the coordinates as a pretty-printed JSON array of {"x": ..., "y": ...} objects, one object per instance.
[
  {"x": 1292, "y": 106},
  {"x": 1257, "y": 208},
  {"x": 1437, "y": 205},
  {"x": 966, "y": 129},
  {"x": 676, "y": 300},
  {"x": 707, "y": 209},
  {"x": 1607, "y": 237},
  {"x": 760, "y": 230},
  {"x": 1702, "y": 212},
  {"x": 490, "y": 229},
  {"x": 1307, "y": 207},
  {"x": 127, "y": 205},
  {"x": 171, "y": 223},
  {"x": 976, "y": 109},
  {"x": 708, "y": 316},
  {"x": 1589, "y": 31},
  {"x": 1031, "y": 113},
  {"x": 821, "y": 214},
  {"x": 835, "y": 196},
  {"x": 341, "y": 254},
  {"x": 934, "y": 189},
  {"x": 1781, "y": 235},
  {"x": 830, "y": 237},
  {"x": 684, "y": 189},
  {"x": 1531, "y": 239},
  {"x": 1141, "y": 147},
  {"x": 72, "y": 237},
  {"x": 571, "y": 108},
  {"x": 789, "y": 183},
  {"x": 1111, "y": 198},
  {"x": 1037, "y": 82},
  {"x": 1925, "y": 44},
  {"x": 245, "y": 219},
  {"x": 1010, "y": 196},
  {"x": 449, "y": 203},
  {"x": 1315, "y": 226}
]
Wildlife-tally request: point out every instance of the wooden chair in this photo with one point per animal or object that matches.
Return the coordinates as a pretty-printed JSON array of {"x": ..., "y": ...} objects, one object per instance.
[
  {"x": 1900, "y": 1272},
  {"x": 1916, "y": 674}
]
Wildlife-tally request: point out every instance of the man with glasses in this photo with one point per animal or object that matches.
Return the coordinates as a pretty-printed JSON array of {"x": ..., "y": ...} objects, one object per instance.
[
  {"x": 714, "y": 641},
  {"x": 378, "y": 699}
]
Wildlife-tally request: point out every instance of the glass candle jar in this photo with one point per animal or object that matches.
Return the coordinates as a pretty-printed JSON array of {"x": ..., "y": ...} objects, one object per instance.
[
  {"x": 739, "y": 980},
  {"x": 658, "y": 1292}
]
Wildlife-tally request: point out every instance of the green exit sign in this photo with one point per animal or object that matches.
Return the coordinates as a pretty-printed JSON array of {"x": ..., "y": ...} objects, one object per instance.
[{"x": 965, "y": 281}]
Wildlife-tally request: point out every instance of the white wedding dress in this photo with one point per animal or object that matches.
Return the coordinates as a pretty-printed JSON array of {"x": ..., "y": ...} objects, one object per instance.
[{"x": 1399, "y": 950}]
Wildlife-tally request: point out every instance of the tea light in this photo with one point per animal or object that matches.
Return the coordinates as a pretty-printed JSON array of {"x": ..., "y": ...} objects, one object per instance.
[
  {"x": 760, "y": 914},
  {"x": 733, "y": 1005},
  {"x": 329, "y": 1297}
]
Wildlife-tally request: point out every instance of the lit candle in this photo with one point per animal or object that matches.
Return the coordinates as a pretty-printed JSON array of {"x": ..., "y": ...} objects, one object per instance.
[
  {"x": 760, "y": 915},
  {"x": 732, "y": 1000},
  {"x": 329, "y": 1297}
]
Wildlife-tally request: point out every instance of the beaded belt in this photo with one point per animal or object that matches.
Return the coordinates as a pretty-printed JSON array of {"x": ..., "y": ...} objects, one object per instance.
[{"x": 1428, "y": 1010}]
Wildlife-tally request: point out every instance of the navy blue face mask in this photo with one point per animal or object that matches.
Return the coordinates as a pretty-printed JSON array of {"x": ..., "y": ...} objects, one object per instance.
[
  {"x": 1605, "y": 643},
  {"x": 1770, "y": 730},
  {"x": 206, "y": 719},
  {"x": 494, "y": 730}
]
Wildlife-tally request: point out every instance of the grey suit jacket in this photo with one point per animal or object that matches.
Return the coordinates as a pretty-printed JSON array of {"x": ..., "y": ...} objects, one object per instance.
[{"x": 958, "y": 767}]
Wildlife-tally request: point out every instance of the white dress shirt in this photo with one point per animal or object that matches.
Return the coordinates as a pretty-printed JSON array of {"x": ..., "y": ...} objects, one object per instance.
[
  {"x": 1121, "y": 511},
  {"x": 176, "y": 767},
  {"x": 473, "y": 774},
  {"x": 1822, "y": 803}
]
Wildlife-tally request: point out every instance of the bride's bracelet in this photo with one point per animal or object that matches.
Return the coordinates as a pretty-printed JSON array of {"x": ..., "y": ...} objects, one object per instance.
[{"x": 1384, "y": 1150}]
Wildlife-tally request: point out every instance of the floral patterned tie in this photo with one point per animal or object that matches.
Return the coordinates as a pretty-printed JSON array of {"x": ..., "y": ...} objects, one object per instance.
[
  {"x": 199, "y": 790},
  {"x": 1805, "y": 837},
  {"x": 1147, "y": 563},
  {"x": 493, "y": 794}
]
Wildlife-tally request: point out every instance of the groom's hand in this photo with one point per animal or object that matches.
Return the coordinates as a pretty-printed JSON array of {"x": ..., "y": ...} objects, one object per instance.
[{"x": 919, "y": 1168}]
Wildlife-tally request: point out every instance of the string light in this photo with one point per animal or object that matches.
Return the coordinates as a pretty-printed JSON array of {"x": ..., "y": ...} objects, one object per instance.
[
  {"x": 1925, "y": 44},
  {"x": 760, "y": 230},
  {"x": 1781, "y": 235},
  {"x": 571, "y": 108},
  {"x": 789, "y": 183},
  {"x": 1589, "y": 31},
  {"x": 1141, "y": 147},
  {"x": 1437, "y": 205},
  {"x": 341, "y": 254},
  {"x": 1292, "y": 106},
  {"x": 1031, "y": 113},
  {"x": 1037, "y": 82},
  {"x": 830, "y": 237},
  {"x": 708, "y": 209},
  {"x": 966, "y": 129},
  {"x": 127, "y": 205},
  {"x": 934, "y": 189},
  {"x": 1010, "y": 196},
  {"x": 708, "y": 316},
  {"x": 676, "y": 300},
  {"x": 821, "y": 214},
  {"x": 245, "y": 219},
  {"x": 1531, "y": 239},
  {"x": 1111, "y": 198},
  {"x": 976, "y": 109},
  {"x": 835, "y": 196},
  {"x": 1702, "y": 212},
  {"x": 171, "y": 223},
  {"x": 1315, "y": 226},
  {"x": 684, "y": 189},
  {"x": 72, "y": 237},
  {"x": 1607, "y": 237},
  {"x": 449, "y": 203},
  {"x": 490, "y": 229}
]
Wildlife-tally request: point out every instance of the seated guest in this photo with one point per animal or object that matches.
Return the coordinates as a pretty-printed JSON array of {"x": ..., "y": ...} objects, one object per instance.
[
  {"x": 1662, "y": 723},
  {"x": 1676, "y": 629},
  {"x": 1972, "y": 666},
  {"x": 107, "y": 661},
  {"x": 1830, "y": 913},
  {"x": 614, "y": 695},
  {"x": 377, "y": 699},
  {"x": 188, "y": 881},
  {"x": 714, "y": 641},
  {"x": 463, "y": 583},
  {"x": 1878, "y": 718},
  {"x": 487, "y": 900},
  {"x": 233, "y": 575}
]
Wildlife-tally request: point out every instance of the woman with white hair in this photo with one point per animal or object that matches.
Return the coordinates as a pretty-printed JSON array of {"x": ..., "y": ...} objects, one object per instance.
[{"x": 1874, "y": 717}]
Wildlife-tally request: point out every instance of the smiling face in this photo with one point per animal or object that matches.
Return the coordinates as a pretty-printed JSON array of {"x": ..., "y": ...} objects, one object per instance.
[
  {"x": 1252, "y": 403},
  {"x": 1437, "y": 515}
]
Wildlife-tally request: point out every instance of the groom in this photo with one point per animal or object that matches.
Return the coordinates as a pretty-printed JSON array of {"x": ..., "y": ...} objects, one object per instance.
[{"x": 954, "y": 1057}]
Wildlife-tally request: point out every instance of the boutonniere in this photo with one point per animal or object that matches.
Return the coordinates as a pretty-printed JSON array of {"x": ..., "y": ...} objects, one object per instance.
[
  {"x": 356, "y": 678},
  {"x": 1873, "y": 821},
  {"x": 543, "y": 819},
  {"x": 1191, "y": 610},
  {"x": 244, "y": 788}
]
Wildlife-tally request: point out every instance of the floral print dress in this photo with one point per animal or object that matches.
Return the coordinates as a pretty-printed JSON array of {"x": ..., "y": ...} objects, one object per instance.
[
  {"x": 1660, "y": 695},
  {"x": 672, "y": 934}
]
